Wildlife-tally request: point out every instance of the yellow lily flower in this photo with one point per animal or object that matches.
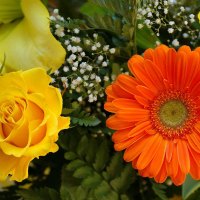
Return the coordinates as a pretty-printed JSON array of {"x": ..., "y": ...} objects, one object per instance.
[{"x": 25, "y": 37}]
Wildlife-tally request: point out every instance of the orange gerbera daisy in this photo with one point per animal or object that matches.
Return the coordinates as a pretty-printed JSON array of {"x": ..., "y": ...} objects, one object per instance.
[{"x": 157, "y": 113}]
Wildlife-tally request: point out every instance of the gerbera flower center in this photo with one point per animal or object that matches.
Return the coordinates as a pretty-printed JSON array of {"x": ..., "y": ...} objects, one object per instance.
[{"x": 173, "y": 114}]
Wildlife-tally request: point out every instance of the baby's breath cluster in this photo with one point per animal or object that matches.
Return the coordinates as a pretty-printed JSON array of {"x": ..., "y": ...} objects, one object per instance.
[
  {"x": 85, "y": 71},
  {"x": 170, "y": 20}
]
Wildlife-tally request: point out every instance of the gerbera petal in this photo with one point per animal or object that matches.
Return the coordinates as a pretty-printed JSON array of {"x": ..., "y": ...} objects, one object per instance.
[
  {"x": 136, "y": 148},
  {"x": 179, "y": 178},
  {"x": 154, "y": 74},
  {"x": 140, "y": 73},
  {"x": 110, "y": 107},
  {"x": 121, "y": 135},
  {"x": 122, "y": 103},
  {"x": 183, "y": 156},
  {"x": 142, "y": 126},
  {"x": 110, "y": 94},
  {"x": 169, "y": 150},
  {"x": 185, "y": 49},
  {"x": 181, "y": 71},
  {"x": 158, "y": 159},
  {"x": 170, "y": 64},
  {"x": 148, "y": 152},
  {"x": 114, "y": 122},
  {"x": 162, "y": 174},
  {"x": 194, "y": 168},
  {"x": 122, "y": 92},
  {"x": 128, "y": 83},
  {"x": 145, "y": 92},
  {"x": 133, "y": 114}
]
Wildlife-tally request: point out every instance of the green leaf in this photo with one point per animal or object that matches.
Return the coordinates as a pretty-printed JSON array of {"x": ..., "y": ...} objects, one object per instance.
[
  {"x": 73, "y": 165},
  {"x": 70, "y": 155},
  {"x": 83, "y": 172},
  {"x": 115, "y": 165},
  {"x": 159, "y": 190},
  {"x": 146, "y": 38},
  {"x": 125, "y": 179},
  {"x": 91, "y": 9},
  {"x": 190, "y": 187},
  {"x": 92, "y": 181},
  {"x": 102, "y": 156},
  {"x": 86, "y": 121},
  {"x": 40, "y": 194}
]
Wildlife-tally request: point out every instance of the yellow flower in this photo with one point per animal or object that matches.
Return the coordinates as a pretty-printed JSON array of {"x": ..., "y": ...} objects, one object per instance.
[
  {"x": 25, "y": 37},
  {"x": 30, "y": 120},
  {"x": 199, "y": 16}
]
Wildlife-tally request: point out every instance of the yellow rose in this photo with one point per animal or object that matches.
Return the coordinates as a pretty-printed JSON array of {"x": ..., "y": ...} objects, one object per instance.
[
  {"x": 25, "y": 36},
  {"x": 30, "y": 120}
]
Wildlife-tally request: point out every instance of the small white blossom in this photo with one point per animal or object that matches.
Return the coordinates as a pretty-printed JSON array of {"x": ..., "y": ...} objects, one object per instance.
[
  {"x": 106, "y": 78},
  {"x": 149, "y": 14},
  {"x": 76, "y": 30},
  {"x": 83, "y": 54},
  {"x": 98, "y": 44},
  {"x": 92, "y": 76},
  {"x": 147, "y": 21},
  {"x": 75, "y": 64},
  {"x": 66, "y": 42},
  {"x": 89, "y": 67},
  {"x": 80, "y": 99},
  {"x": 69, "y": 47},
  {"x": 104, "y": 64},
  {"x": 185, "y": 35},
  {"x": 53, "y": 80},
  {"x": 166, "y": 11},
  {"x": 74, "y": 49},
  {"x": 95, "y": 35},
  {"x": 98, "y": 79},
  {"x": 175, "y": 43},
  {"x": 94, "y": 48},
  {"x": 112, "y": 50},
  {"x": 87, "y": 42},
  {"x": 56, "y": 73},
  {"x": 171, "y": 23},
  {"x": 73, "y": 56},
  {"x": 105, "y": 48},
  {"x": 64, "y": 79},
  {"x": 170, "y": 30},
  {"x": 100, "y": 57},
  {"x": 65, "y": 69},
  {"x": 74, "y": 68},
  {"x": 140, "y": 26},
  {"x": 55, "y": 11},
  {"x": 52, "y": 18},
  {"x": 182, "y": 9},
  {"x": 79, "y": 49},
  {"x": 82, "y": 71},
  {"x": 158, "y": 21}
]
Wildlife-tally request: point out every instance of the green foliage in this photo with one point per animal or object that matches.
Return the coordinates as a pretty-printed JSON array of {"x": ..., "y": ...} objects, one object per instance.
[
  {"x": 85, "y": 119},
  {"x": 40, "y": 194},
  {"x": 112, "y": 16},
  {"x": 191, "y": 189},
  {"x": 159, "y": 190},
  {"x": 118, "y": 17},
  {"x": 93, "y": 172}
]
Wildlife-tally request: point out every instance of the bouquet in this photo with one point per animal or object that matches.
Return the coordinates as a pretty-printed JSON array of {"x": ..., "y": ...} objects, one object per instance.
[{"x": 99, "y": 99}]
